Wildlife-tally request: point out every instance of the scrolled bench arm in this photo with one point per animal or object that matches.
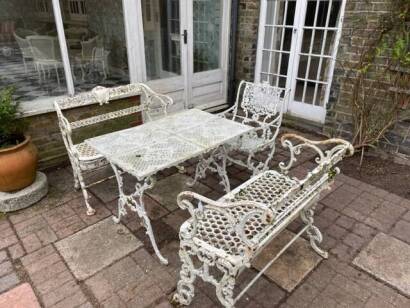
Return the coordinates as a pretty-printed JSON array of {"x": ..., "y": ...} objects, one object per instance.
[
  {"x": 186, "y": 201},
  {"x": 327, "y": 158}
]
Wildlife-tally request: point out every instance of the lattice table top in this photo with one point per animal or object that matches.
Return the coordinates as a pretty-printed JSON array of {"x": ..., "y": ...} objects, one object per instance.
[{"x": 146, "y": 149}]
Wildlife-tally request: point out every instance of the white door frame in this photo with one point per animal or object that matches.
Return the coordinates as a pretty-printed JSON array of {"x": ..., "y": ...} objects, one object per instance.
[
  {"x": 299, "y": 109},
  {"x": 188, "y": 80},
  {"x": 198, "y": 88}
]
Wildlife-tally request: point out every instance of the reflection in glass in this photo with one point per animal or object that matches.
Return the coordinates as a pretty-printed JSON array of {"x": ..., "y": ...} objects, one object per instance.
[
  {"x": 162, "y": 38},
  {"x": 30, "y": 58},
  {"x": 207, "y": 16},
  {"x": 94, "y": 31}
]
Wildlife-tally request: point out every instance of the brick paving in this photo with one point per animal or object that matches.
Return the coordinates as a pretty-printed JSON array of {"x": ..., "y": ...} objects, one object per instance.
[{"x": 350, "y": 216}]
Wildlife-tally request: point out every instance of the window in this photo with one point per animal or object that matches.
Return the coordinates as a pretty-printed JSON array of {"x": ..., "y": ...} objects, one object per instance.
[
  {"x": 94, "y": 31},
  {"x": 30, "y": 58},
  {"x": 77, "y": 9},
  {"x": 162, "y": 38},
  {"x": 207, "y": 16}
]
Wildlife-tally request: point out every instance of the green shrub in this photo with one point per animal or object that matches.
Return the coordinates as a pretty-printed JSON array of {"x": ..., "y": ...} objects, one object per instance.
[{"x": 11, "y": 125}]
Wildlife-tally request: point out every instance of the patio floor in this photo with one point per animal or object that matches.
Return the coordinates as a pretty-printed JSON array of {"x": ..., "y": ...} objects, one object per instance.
[{"x": 42, "y": 251}]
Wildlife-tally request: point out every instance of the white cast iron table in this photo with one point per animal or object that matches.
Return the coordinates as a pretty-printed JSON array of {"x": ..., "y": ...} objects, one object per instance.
[{"x": 144, "y": 150}]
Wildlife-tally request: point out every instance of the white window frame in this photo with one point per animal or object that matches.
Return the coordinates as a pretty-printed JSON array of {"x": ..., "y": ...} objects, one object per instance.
[
  {"x": 303, "y": 110},
  {"x": 134, "y": 35}
]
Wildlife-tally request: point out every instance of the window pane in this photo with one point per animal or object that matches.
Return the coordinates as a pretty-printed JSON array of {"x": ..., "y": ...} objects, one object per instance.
[
  {"x": 30, "y": 58},
  {"x": 207, "y": 16},
  {"x": 162, "y": 38},
  {"x": 94, "y": 31}
]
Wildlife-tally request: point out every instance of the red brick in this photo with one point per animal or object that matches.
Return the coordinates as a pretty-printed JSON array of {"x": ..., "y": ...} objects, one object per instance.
[
  {"x": 354, "y": 241},
  {"x": 42, "y": 264},
  {"x": 8, "y": 281},
  {"x": 21, "y": 296},
  {"x": 364, "y": 230},
  {"x": 345, "y": 222},
  {"x": 5, "y": 268},
  {"x": 336, "y": 231},
  {"x": 73, "y": 300},
  {"x": 16, "y": 251},
  {"x": 31, "y": 243},
  {"x": 39, "y": 254},
  {"x": 55, "y": 282}
]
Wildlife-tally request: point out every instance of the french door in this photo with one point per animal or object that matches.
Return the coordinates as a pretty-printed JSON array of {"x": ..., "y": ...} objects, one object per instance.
[
  {"x": 185, "y": 49},
  {"x": 297, "y": 48}
]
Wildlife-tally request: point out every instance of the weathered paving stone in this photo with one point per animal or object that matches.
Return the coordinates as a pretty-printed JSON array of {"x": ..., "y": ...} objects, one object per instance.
[
  {"x": 52, "y": 279},
  {"x": 387, "y": 258},
  {"x": 135, "y": 281},
  {"x": 89, "y": 250},
  {"x": 35, "y": 233},
  {"x": 7, "y": 235},
  {"x": 167, "y": 190},
  {"x": 8, "y": 281},
  {"x": 19, "y": 297},
  {"x": 289, "y": 270},
  {"x": 8, "y": 278}
]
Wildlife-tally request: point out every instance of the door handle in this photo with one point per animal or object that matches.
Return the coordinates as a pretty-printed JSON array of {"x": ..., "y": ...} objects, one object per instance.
[{"x": 185, "y": 35}]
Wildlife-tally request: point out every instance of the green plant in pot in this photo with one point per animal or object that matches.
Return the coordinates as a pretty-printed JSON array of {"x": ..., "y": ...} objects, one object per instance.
[{"x": 18, "y": 155}]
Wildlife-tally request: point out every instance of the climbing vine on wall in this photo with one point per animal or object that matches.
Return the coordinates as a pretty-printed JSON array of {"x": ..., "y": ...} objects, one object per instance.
[{"x": 379, "y": 76}]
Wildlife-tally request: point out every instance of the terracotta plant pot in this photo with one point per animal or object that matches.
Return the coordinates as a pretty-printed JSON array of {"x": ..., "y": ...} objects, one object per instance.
[{"x": 18, "y": 166}]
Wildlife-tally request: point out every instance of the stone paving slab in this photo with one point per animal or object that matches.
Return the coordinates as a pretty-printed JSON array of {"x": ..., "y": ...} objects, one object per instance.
[
  {"x": 19, "y": 297},
  {"x": 387, "y": 258},
  {"x": 166, "y": 191},
  {"x": 291, "y": 267},
  {"x": 137, "y": 280},
  {"x": 88, "y": 251}
]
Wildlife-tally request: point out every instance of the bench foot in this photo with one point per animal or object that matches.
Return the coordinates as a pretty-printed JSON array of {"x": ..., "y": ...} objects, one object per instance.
[
  {"x": 224, "y": 290},
  {"x": 315, "y": 236},
  {"x": 185, "y": 287}
]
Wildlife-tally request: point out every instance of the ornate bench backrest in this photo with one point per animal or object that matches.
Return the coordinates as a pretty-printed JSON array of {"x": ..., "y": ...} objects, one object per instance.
[
  {"x": 261, "y": 102},
  {"x": 261, "y": 105},
  {"x": 151, "y": 105},
  {"x": 326, "y": 159}
]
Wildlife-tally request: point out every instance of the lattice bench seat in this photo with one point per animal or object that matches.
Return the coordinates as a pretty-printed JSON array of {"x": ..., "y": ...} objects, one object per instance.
[{"x": 226, "y": 235}]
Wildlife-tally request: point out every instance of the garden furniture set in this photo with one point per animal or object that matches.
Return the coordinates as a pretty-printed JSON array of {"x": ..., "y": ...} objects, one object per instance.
[{"x": 222, "y": 237}]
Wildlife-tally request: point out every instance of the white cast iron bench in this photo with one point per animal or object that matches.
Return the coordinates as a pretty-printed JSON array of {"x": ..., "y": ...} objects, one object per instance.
[
  {"x": 85, "y": 159},
  {"x": 223, "y": 237}
]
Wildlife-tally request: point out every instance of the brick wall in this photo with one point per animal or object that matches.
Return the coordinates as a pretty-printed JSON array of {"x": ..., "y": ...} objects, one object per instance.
[
  {"x": 246, "y": 40},
  {"x": 361, "y": 17},
  {"x": 46, "y": 134}
]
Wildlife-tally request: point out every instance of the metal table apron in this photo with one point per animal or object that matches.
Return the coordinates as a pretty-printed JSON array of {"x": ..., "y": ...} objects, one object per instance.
[{"x": 144, "y": 150}]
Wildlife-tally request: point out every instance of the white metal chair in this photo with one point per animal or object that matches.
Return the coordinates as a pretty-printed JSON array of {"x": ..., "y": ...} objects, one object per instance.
[
  {"x": 46, "y": 54},
  {"x": 223, "y": 237},
  {"x": 261, "y": 106},
  {"x": 25, "y": 49},
  {"x": 100, "y": 59},
  {"x": 83, "y": 158},
  {"x": 92, "y": 54}
]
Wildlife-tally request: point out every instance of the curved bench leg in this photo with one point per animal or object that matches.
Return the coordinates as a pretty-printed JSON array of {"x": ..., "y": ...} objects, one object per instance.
[
  {"x": 90, "y": 209},
  {"x": 224, "y": 290},
  {"x": 200, "y": 170},
  {"x": 185, "y": 287},
  {"x": 315, "y": 236}
]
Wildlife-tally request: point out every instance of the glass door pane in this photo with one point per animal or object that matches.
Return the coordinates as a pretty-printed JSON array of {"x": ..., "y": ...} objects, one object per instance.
[
  {"x": 315, "y": 57},
  {"x": 30, "y": 59},
  {"x": 161, "y": 22},
  {"x": 96, "y": 43},
  {"x": 207, "y": 19},
  {"x": 277, "y": 43}
]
